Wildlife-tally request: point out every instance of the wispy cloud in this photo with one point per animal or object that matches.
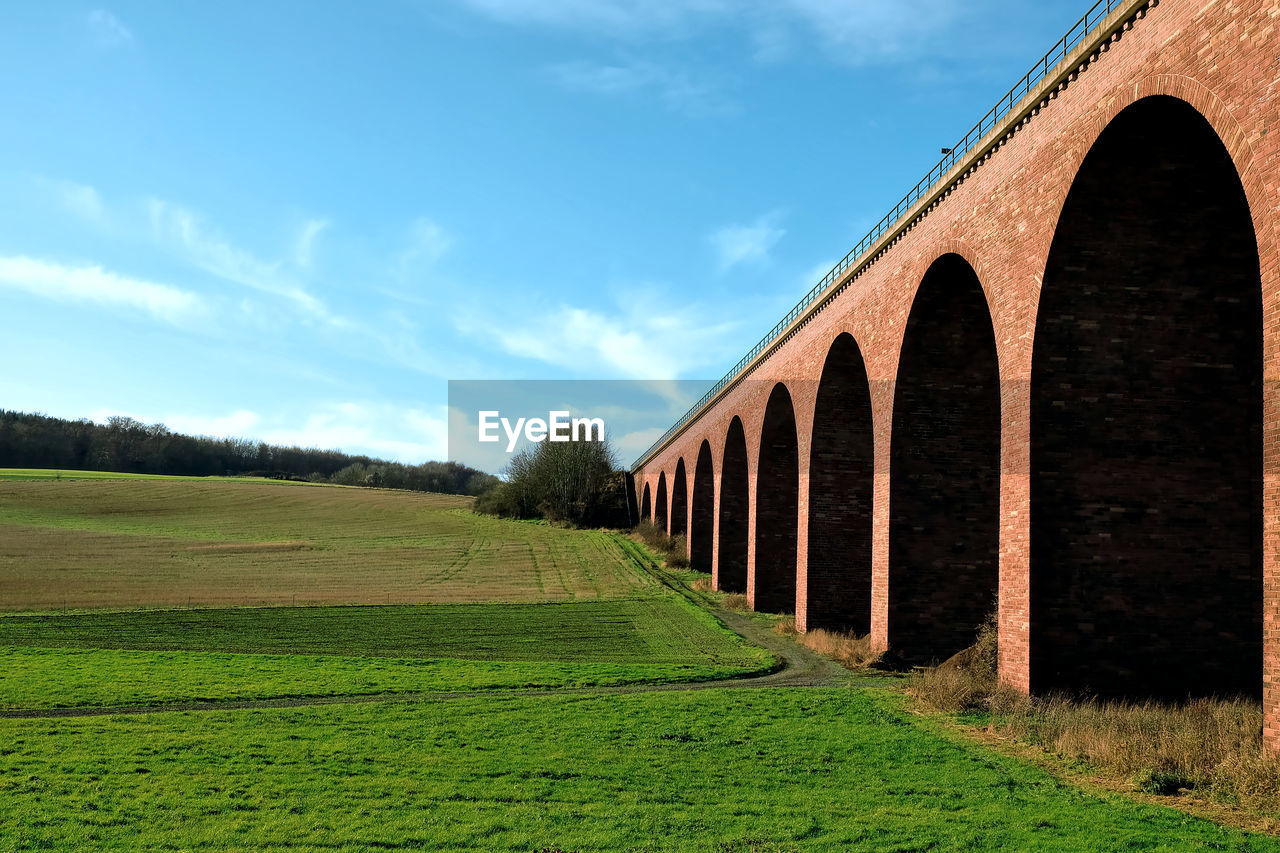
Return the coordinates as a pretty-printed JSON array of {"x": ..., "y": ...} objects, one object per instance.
[
  {"x": 635, "y": 342},
  {"x": 82, "y": 200},
  {"x": 185, "y": 234},
  {"x": 205, "y": 248},
  {"x": 677, "y": 89},
  {"x": 108, "y": 31},
  {"x": 96, "y": 286},
  {"x": 851, "y": 32},
  {"x": 427, "y": 243},
  {"x": 748, "y": 243},
  {"x": 387, "y": 336},
  {"x": 857, "y": 32},
  {"x": 612, "y": 17},
  {"x": 304, "y": 246}
]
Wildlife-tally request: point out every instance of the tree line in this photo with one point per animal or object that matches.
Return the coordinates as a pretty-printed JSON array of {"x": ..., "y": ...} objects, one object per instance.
[{"x": 130, "y": 446}]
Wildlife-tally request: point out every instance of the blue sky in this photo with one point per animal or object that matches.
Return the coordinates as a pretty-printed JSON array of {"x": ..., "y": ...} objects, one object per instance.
[{"x": 295, "y": 221}]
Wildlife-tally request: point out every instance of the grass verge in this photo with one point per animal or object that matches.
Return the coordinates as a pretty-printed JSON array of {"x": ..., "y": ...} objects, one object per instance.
[
  {"x": 721, "y": 770},
  {"x": 1210, "y": 749}
]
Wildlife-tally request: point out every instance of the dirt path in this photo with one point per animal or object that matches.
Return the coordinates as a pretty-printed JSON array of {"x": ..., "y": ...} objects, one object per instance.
[{"x": 799, "y": 667}]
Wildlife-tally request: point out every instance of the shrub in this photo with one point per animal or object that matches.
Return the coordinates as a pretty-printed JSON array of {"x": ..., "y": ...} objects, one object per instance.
[{"x": 572, "y": 482}]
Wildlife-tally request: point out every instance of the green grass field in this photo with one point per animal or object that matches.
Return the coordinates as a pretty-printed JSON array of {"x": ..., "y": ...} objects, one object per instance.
[
  {"x": 707, "y": 770},
  {"x": 160, "y": 657},
  {"x": 139, "y": 542},
  {"x": 430, "y": 756}
]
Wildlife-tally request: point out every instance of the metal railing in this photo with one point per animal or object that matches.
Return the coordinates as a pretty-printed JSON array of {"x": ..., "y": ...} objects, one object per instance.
[{"x": 1078, "y": 33}]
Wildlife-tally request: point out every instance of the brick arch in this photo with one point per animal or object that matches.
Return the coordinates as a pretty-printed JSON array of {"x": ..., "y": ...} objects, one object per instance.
[
  {"x": 702, "y": 510},
  {"x": 1228, "y": 128},
  {"x": 777, "y": 496},
  {"x": 660, "y": 515},
  {"x": 1146, "y": 403},
  {"x": 841, "y": 467},
  {"x": 646, "y": 505},
  {"x": 679, "y": 500},
  {"x": 944, "y": 467},
  {"x": 734, "y": 510}
]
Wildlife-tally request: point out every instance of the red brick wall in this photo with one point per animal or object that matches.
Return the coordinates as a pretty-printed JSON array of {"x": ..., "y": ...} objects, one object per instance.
[{"x": 1223, "y": 59}]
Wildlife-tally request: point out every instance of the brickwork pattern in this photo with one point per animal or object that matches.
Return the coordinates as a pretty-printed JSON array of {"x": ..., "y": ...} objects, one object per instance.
[{"x": 1000, "y": 213}]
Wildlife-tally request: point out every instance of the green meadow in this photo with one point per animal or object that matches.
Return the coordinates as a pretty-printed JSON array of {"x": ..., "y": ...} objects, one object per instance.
[
  {"x": 173, "y": 656},
  {"x": 543, "y": 689},
  {"x": 816, "y": 769}
]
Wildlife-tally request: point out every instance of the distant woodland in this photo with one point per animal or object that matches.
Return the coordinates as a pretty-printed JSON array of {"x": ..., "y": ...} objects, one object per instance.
[{"x": 130, "y": 446}]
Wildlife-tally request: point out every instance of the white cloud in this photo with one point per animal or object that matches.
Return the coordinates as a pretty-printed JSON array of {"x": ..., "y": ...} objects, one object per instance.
[
  {"x": 746, "y": 244},
  {"x": 381, "y": 430},
  {"x": 636, "y": 343},
  {"x": 184, "y": 233},
  {"x": 427, "y": 243},
  {"x": 850, "y": 32},
  {"x": 81, "y": 199},
  {"x": 677, "y": 89},
  {"x": 631, "y": 445},
  {"x": 107, "y": 29},
  {"x": 614, "y": 17},
  {"x": 207, "y": 250},
  {"x": 238, "y": 424},
  {"x": 304, "y": 246},
  {"x": 860, "y": 31},
  {"x": 94, "y": 285}
]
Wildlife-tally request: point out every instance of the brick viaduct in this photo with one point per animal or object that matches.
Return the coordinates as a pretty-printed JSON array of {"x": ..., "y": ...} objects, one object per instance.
[{"x": 1048, "y": 389}]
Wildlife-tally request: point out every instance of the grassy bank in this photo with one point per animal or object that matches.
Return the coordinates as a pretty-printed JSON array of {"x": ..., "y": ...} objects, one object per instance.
[{"x": 708, "y": 770}]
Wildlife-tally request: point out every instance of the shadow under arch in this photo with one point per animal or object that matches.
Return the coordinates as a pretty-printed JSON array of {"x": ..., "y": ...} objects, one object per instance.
[
  {"x": 944, "y": 468},
  {"x": 660, "y": 505},
  {"x": 1146, "y": 421},
  {"x": 702, "y": 528},
  {"x": 731, "y": 559},
  {"x": 679, "y": 501},
  {"x": 777, "y": 506},
  {"x": 841, "y": 491}
]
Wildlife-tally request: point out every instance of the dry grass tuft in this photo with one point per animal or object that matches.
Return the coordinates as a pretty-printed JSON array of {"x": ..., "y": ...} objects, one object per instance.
[
  {"x": 677, "y": 554},
  {"x": 736, "y": 601},
  {"x": 967, "y": 680},
  {"x": 850, "y": 650},
  {"x": 674, "y": 550},
  {"x": 651, "y": 535},
  {"x": 1212, "y": 746},
  {"x": 1209, "y": 745},
  {"x": 702, "y": 585}
]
